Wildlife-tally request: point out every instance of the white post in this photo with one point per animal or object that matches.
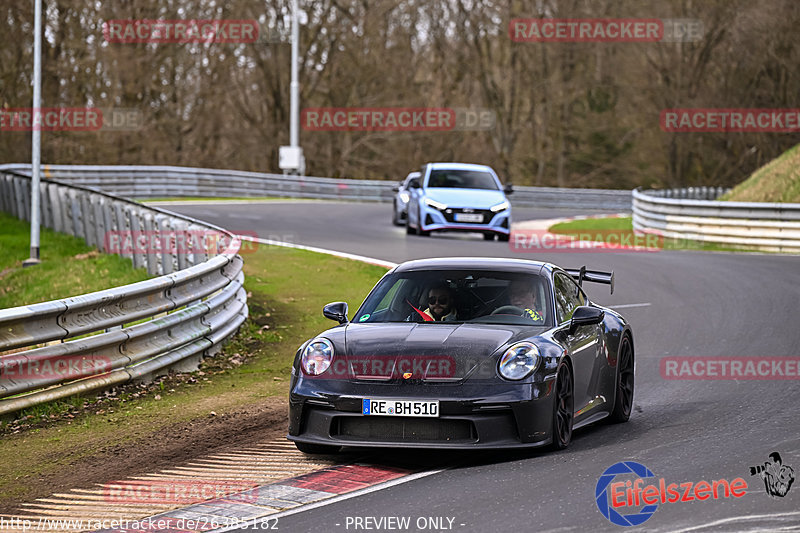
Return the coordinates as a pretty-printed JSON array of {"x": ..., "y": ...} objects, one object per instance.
[
  {"x": 295, "y": 86},
  {"x": 291, "y": 158},
  {"x": 37, "y": 134}
]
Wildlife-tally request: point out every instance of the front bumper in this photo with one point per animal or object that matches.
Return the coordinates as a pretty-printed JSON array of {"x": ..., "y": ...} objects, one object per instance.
[
  {"x": 435, "y": 220},
  {"x": 509, "y": 416}
]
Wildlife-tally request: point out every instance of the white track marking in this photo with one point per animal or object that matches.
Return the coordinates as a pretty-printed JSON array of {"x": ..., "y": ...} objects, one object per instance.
[
  {"x": 623, "y": 306},
  {"x": 736, "y": 519},
  {"x": 355, "y": 257},
  {"x": 334, "y": 499}
]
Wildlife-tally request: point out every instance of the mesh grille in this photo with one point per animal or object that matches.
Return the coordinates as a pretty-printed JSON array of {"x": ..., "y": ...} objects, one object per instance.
[
  {"x": 404, "y": 429},
  {"x": 451, "y": 215}
]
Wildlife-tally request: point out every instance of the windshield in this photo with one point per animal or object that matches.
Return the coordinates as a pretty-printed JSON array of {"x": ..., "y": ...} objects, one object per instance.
[
  {"x": 455, "y": 296},
  {"x": 462, "y": 179}
]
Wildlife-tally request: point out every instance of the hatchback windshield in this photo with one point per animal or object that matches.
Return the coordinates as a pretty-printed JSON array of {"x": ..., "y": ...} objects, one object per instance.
[
  {"x": 454, "y": 296},
  {"x": 462, "y": 179}
]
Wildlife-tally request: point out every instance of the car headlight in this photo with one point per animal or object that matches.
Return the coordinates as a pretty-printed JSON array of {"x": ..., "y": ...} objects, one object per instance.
[
  {"x": 500, "y": 207},
  {"x": 519, "y": 361},
  {"x": 317, "y": 356},
  {"x": 404, "y": 197},
  {"x": 436, "y": 205}
]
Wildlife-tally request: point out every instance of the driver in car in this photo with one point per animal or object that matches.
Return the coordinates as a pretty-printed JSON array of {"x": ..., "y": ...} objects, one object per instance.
[
  {"x": 523, "y": 295},
  {"x": 440, "y": 304}
]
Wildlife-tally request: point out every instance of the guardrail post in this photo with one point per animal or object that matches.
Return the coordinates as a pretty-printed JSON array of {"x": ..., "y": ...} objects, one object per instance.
[
  {"x": 56, "y": 207},
  {"x": 182, "y": 241},
  {"x": 4, "y": 196},
  {"x": 151, "y": 255},
  {"x": 139, "y": 261},
  {"x": 46, "y": 209},
  {"x": 199, "y": 239},
  {"x": 167, "y": 238},
  {"x": 123, "y": 230},
  {"x": 86, "y": 219},
  {"x": 77, "y": 219},
  {"x": 100, "y": 222}
]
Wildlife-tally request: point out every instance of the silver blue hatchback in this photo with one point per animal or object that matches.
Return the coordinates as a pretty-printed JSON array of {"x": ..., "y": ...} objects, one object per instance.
[{"x": 459, "y": 197}]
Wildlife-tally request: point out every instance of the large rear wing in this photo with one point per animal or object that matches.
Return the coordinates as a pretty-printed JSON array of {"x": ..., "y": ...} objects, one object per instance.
[{"x": 595, "y": 276}]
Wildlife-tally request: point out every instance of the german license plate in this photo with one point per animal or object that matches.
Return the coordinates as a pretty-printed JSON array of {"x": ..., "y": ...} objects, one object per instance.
[
  {"x": 429, "y": 408},
  {"x": 469, "y": 217}
]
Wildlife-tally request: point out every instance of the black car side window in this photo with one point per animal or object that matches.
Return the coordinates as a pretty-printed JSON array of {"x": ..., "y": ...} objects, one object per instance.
[{"x": 568, "y": 297}]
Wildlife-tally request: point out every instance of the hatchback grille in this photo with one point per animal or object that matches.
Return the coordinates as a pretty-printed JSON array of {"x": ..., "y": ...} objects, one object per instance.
[
  {"x": 403, "y": 429},
  {"x": 450, "y": 215}
]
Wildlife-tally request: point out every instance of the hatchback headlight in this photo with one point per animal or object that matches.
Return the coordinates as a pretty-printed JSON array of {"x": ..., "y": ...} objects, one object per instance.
[
  {"x": 519, "y": 361},
  {"x": 404, "y": 197},
  {"x": 436, "y": 205},
  {"x": 317, "y": 356},
  {"x": 500, "y": 207}
]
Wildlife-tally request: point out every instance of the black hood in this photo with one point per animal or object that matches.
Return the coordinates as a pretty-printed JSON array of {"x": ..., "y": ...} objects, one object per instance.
[{"x": 429, "y": 352}]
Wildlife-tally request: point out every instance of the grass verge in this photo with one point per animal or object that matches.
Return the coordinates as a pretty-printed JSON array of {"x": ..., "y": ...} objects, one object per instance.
[
  {"x": 69, "y": 267},
  {"x": 777, "y": 181},
  {"x": 614, "y": 230},
  {"x": 286, "y": 291}
]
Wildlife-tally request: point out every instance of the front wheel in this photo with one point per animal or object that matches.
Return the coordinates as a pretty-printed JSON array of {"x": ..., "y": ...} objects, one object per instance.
[
  {"x": 395, "y": 219},
  {"x": 623, "y": 395},
  {"x": 488, "y": 236},
  {"x": 563, "y": 409},
  {"x": 317, "y": 449}
]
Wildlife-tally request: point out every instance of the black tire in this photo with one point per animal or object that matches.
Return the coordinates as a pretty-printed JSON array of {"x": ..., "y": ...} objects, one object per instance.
[
  {"x": 409, "y": 229},
  {"x": 488, "y": 236},
  {"x": 502, "y": 237},
  {"x": 317, "y": 449},
  {"x": 423, "y": 233},
  {"x": 395, "y": 220},
  {"x": 563, "y": 409},
  {"x": 623, "y": 390}
]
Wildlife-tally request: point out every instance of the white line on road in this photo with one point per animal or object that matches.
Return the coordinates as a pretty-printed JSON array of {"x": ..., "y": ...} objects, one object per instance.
[
  {"x": 335, "y": 499},
  {"x": 362, "y": 258},
  {"x": 623, "y": 306}
]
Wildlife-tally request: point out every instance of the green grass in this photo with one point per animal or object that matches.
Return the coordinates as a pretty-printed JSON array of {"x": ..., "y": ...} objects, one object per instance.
[
  {"x": 287, "y": 289},
  {"x": 620, "y": 229},
  {"x": 777, "y": 181},
  {"x": 69, "y": 267}
]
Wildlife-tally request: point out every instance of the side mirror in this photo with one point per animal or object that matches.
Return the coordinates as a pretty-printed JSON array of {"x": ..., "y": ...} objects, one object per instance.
[
  {"x": 508, "y": 189},
  {"x": 414, "y": 185},
  {"x": 336, "y": 311},
  {"x": 585, "y": 316},
  {"x": 396, "y": 188}
]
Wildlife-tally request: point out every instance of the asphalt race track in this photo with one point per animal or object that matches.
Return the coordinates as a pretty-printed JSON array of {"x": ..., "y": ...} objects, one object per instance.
[{"x": 692, "y": 304}]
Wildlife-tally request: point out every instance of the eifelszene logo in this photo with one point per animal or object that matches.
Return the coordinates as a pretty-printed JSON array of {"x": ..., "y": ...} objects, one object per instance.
[
  {"x": 614, "y": 497},
  {"x": 778, "y": 477}
]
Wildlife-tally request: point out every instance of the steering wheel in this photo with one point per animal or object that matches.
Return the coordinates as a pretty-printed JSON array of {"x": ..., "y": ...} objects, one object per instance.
[{"x": 509, "y": 310}]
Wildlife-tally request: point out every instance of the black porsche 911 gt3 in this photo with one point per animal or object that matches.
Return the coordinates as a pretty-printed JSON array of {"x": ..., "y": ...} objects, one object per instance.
[{"x": 464, "y": 353}]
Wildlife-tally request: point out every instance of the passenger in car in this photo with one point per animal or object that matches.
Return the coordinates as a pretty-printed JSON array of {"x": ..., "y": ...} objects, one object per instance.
[
  {"x": 523, "y": 295},
  {"x": 441, "y": 303}
]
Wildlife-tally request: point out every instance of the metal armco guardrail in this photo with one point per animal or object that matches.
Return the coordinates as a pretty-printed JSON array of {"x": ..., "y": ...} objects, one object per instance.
[
  {"x": 159, "y": 182},
  {"x": 694, "y": 214},
  {"x": 130, "y": 332}
]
